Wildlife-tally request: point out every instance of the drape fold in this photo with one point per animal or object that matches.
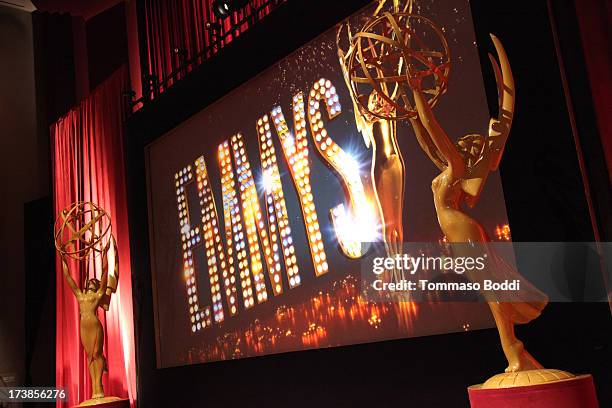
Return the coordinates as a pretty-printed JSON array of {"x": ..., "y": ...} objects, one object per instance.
[
  {"x": 88, "y": 165},
  {"x": 185, "y": 26}
]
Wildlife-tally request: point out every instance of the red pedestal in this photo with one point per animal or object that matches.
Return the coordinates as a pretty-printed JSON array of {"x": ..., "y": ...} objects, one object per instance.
[{"x": 575, "y": 393}]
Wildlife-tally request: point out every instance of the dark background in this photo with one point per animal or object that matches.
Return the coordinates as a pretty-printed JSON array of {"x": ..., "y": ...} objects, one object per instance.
[{"x": 545, "y": 197}]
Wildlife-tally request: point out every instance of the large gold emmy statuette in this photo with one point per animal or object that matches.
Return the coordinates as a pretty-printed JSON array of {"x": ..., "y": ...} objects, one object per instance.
[
  {"x": 396, "y": 68},
  {"x": 83, "y": 233}
]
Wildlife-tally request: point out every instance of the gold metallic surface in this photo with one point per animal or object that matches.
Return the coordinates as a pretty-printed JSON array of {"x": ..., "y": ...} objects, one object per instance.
[
  {"x": 388, "y": 173},
  {"x": 375, "y": 115},
  {"x": 527, "y": 378},
  {"x": 464, "y": 169},
  {"x": 381, "y": 54},
  {"x": 406, "y": 78},
  {"x": 81, "y": 230}
]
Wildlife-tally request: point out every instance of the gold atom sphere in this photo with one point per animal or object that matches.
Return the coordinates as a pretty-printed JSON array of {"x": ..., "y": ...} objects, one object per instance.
[
  {"x": 82, "y": 229},
  {"x": 390, "y": 49}
]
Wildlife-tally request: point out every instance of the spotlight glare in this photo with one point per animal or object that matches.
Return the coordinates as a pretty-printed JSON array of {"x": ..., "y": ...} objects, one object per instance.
[
  {"x": 267, "y": 181},
  {"x": 349, "y": 164},
  {"x": 354, "y": 230},
  {"x": 224, "y": 8}
]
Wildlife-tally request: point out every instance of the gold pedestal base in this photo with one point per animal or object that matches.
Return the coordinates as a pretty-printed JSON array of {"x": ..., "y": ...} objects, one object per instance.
[
  {"x": 526, "y": 378},
  {"x": 539, "y": 389},
  {"x": 106, "y": 402}
]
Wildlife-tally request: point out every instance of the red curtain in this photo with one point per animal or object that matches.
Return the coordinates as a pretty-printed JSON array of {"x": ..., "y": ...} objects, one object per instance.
[
  {"x": 88, "y": 165},
  {"x": 594, "y": 18},
  {"x": 181, "y": 25}
]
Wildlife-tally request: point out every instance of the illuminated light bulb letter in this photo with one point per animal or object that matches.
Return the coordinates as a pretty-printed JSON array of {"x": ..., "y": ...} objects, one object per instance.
[
  {"x": 233, "y": 223},
  {"x": 276, "y": 208},
  {"x": 296, "y": 154},
  {"x": 200, "y": 317},
  {"x": 216, "y": 256},
  {"x": 358, "y": 224},
  {"x": 254, "y": 222}
]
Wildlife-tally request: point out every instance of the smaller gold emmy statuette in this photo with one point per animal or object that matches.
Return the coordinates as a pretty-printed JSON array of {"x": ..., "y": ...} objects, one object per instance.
[{"x": 83, "y": 233}]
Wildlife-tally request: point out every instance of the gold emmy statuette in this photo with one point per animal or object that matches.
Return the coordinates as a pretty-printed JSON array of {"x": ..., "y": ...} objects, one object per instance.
[
  {"x": 83, "y": 233},
  {"x": 464, "y": 167},
  {"x": 374, "y": 67}
]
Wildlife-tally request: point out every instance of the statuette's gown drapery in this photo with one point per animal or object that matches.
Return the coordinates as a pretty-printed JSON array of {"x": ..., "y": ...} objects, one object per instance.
[
  {"x": 464, "y": 167},
  {"x": 522, "y": 306}
]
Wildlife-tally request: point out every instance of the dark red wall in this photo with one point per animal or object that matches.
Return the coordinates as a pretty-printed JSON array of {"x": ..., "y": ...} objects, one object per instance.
[{"x": 106, "y": 43}]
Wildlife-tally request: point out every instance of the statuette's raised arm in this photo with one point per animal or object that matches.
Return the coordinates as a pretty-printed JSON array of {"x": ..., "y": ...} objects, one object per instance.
[
  {"x": 104, "y": 278},
  {"x": 73, "y": 286}
]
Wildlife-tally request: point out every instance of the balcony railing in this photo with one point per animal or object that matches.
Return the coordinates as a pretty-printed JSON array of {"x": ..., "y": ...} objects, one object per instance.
[{"x": 182, "y": 34}]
